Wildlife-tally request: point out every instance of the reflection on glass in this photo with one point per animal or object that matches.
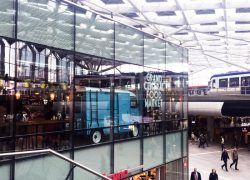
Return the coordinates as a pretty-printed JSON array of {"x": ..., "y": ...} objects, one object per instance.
[
  {"x": 42, "y": 167},
  {"x": 93, "y": 104},
  {"x": 51, "y": 22},
  {"x": 173, "y": 146},
  {"x": 96, "y": 158},
  {"x": 173, "y": 170},
  {"x": 176, "y": 58},
  {"x": 127, "y": 79},
  {"x": 121, "y": 151},
  {"x": 7, "y": 14},
  {"x": 128, "y": 44},
  {"x": 154, "y": 52},
  {"x": 42, "y": 106},
  {"x": 127, "y": 98},
  {"x": 152, "y": 151},
  {"x": 94, "y": 34},
  {"x": 185, "y": 143},
  {"x": 4, "y": 170},
  {"x": 154, "y": 101}
]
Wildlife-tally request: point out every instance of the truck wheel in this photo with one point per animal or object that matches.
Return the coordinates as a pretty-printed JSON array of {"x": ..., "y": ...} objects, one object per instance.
[
  {"x": 135, "y": 131},
  {"x": 96, "y": 136}
]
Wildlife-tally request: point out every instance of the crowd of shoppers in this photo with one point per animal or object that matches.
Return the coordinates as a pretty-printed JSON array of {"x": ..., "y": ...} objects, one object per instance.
[{"x": 202, "y": 139}]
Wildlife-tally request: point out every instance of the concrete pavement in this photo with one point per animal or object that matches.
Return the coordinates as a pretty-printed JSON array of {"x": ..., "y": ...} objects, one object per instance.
[{"x": 210, "y": 157}]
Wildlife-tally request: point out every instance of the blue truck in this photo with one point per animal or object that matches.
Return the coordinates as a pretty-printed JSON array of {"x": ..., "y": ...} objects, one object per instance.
[{"x": 92, "y": 112}]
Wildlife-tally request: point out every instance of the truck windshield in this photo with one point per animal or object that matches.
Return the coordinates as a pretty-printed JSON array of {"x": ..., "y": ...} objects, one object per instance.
[{"x": 133, "y": 103}]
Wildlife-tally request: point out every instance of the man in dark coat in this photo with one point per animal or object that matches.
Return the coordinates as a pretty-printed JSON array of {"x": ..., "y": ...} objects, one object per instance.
[
  {"x": 224, "y": 157},
  {"x": 213, "y": 175},
  {"x": 202, "y": 141},
  {"x": 195, "y": 175},
  {"x": 235, "y": 158}
]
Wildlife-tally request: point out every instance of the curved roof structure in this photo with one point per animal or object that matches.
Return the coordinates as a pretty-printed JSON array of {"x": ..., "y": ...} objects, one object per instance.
[{"x": 217, "y": 32}]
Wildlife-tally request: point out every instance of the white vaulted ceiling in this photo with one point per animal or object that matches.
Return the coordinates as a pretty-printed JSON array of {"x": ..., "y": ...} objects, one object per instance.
[{"x": 216, "y": 32}]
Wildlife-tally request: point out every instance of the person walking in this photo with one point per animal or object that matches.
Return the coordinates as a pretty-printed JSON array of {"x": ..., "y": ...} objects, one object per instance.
[
  {"x": 195, "y": 175},
  {"x": 224, "y": 158},
  {"x": 213, "y": 175},
  {"x": 222, "y": 142},
  {"x": 193, "y": 138},
  {"x": 202, "y": 141},
  {"x": 235, "y": 158}
]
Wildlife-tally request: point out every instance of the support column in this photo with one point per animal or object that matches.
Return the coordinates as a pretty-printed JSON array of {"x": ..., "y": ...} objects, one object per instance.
[
  {"x": 210, "y": 128},
  {"x": 2, "y": 58}
]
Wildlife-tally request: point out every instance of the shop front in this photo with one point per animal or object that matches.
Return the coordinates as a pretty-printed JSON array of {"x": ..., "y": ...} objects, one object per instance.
[{"x": 170, "y": 171}]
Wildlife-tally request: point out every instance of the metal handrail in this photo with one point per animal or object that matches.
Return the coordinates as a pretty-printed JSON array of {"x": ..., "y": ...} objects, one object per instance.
[{"x": 58, "y": 155}]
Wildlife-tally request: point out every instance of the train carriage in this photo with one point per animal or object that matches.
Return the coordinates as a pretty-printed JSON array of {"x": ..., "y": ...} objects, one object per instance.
[{"x": 230, "y": 83}]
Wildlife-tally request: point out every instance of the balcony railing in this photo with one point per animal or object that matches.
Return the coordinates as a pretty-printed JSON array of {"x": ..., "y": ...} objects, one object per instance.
[{"x": 50, "y": 151}]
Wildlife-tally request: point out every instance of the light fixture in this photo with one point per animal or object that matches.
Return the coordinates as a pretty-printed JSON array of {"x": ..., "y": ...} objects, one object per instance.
[
  {"x": 18, "y": 95},
  {"x": 45, "y": 101},
  {"x": 52, "y": 96}
]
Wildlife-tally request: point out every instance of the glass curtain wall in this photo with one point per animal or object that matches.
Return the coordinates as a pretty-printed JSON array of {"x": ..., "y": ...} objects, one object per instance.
[
  {"x": 6, "y": 94},
  {"x": 128, "y": 90},
  {"x": 42, "y": 96},
  {"x": 93, "y": 79},
  {"x": 7, "y": 18},
  {"x": 52, "y": 23},
  {"x": 94, "y": 34},
  {"x": 71, "y": 78},
  {"x": 154, "y": 86}
]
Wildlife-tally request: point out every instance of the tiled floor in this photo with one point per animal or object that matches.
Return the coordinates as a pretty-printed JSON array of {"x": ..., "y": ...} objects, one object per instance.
[{"x": 209, "y": 157}]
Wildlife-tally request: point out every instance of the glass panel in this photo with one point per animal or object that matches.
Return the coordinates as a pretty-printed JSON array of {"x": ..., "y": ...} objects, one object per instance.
[
  {"x": 154, "y": 101},
  {"x": 185, "y": 167},
  {"x": 10, "y": 60},
  {"x": 6, "y": 98},
  {"x": 176, "y": 59},
  {"x": 245, "y": 81},
  {"x": 233, "y": 82},
  {"x": 84, "y": 174},
  {"x": 173, "y": 146},
  {"x": 42, "y": 168},
  {"x": 94, "y": 34},
  {"x": 2, "y": 61},
  {"x": 128, "y": 100},
  {"x": 185, "y": 97},
  {"x": 174, "y": 170},
  {"x": 176, "y": 96},
  {"x": 7, "y": 18},
  {"x": 5, "y": 171},
  {"x": 223, "y": 83},
  {"x": 93, "y": 104},
  {"x": 7, "y": 56},
  {"x": 51, "y": 22},
  {"x": 128, "y": 44},
  {"x": 44, "y": 101},
  {"x": 25, "y": 61},
  {"x": 122, "y": 150},
  {"x": 185, "y": 142},
  {"x": 96, "y": 158},
  {"x": 154, "y": 52},
  {"x": 6, "y": 123},
  {"x": 152, "y": 151}
]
